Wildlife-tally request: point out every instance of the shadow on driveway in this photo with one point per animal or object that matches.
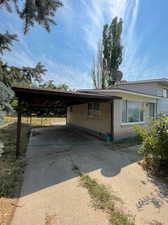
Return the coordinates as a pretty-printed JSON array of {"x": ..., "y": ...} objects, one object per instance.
[{"x": 54, "y": 151}]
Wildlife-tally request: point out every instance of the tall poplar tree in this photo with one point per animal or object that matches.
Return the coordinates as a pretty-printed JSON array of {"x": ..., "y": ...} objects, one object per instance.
[{"x": 110, "y": 52}]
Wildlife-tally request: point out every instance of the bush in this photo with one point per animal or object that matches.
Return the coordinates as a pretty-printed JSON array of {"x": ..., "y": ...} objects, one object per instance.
[{"x": 155, "y": 145}]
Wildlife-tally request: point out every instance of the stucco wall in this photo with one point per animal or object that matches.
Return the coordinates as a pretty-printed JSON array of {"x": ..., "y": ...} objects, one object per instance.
[{"x": 79, "y": 117}]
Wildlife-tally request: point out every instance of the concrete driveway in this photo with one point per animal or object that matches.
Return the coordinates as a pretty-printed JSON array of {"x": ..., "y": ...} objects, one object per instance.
[{"x": 51, "y": 192}]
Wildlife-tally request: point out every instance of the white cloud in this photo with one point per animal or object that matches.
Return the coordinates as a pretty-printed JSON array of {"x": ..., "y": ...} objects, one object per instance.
[
  {"x": 98, "y": 13},
  {"x": 62, "y": 73},
  {"x": 90, "y": 20}
]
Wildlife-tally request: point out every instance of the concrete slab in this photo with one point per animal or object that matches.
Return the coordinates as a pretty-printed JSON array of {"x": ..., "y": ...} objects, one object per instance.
[
  {"x": 51, "y": 192},
  {"x": 52, "y": 195}
]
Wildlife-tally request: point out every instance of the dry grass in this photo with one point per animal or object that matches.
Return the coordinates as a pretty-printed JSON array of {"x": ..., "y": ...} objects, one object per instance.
[
  {"x": 37, "y": 121},
  {"x": 11, "y": 170}
]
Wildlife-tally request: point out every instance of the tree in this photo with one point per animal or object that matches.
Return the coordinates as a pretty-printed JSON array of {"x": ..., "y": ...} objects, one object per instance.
[
  {"x": 97, "y": 69},
  {"x": 109, "y": 55},
  {"x": 51, "y": 85},
  {"x": 6, "y": 41},
  {"x": 11, "y": 75},
  {"x": 41, "y": 12}
]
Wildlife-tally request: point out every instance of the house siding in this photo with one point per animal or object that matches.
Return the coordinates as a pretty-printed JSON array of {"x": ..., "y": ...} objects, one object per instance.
[
  {"x": 79, "y": 117},
  {"x": 100, "y": 126},
  {"x": 151, "y": 89}
]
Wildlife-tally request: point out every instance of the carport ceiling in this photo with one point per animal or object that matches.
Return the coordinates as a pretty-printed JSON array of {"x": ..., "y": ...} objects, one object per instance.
[{"x": 46, "y": 98}]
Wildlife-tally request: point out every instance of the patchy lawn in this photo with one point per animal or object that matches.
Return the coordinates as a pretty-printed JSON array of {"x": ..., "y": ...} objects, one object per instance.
[{"x": 11, "y": 169}]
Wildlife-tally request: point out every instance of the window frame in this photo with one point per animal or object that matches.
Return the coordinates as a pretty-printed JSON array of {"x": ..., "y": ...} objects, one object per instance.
[
  {"x": 165, "y": 93},
  {"x": 127, "y": 122},
  {"x": 94, "y": 110}
]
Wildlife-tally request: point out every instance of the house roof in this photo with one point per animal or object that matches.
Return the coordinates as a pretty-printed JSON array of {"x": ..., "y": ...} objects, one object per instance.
[
  {"x": 34, "y": 97},
  {"x": 117, "y": 90}
]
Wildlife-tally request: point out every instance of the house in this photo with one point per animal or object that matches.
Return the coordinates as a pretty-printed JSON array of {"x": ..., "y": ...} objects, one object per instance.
[
  {"x": 109, "y": 114},
  {"x": 139, "y": 102}
]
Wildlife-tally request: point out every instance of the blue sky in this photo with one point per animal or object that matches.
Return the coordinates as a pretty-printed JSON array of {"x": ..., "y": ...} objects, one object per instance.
[{"x": 68, "y": 51}]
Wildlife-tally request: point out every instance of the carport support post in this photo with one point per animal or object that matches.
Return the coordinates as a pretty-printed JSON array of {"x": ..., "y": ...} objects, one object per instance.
[{"x": 19, "y": 116}]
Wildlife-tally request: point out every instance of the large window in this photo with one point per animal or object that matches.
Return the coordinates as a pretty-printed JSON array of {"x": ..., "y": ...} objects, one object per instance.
[
  {"x": 93, "y": 110},
  {"x": 132, "y": 112}
]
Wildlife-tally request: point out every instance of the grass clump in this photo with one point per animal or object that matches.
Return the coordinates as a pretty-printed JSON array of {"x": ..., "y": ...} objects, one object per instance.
[
  {"x": 103, "y": 199},
  {"x": 11, "y": 177},
  {"x": 119, "y": 218}
]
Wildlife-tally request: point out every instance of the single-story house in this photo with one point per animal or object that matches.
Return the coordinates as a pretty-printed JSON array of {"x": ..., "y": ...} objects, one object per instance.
[
  {"x": 139, "y": 102},
  {"x": 109, "y": 114}
]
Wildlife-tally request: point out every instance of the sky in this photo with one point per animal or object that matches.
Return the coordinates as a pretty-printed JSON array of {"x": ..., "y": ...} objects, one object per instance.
[{"x": 68, "y": 50}]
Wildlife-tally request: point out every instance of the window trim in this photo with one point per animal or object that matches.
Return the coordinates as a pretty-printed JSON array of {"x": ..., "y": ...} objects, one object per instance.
[
  {"x": 131, "y": 123},
  {"x": 93, "y": 112},
  {"x": 165, "y": 93}
]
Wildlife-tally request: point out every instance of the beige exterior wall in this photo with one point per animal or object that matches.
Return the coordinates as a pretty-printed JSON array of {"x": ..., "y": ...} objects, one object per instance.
[
  {"x": 125, "y": 130},
  {"x": 79, "y": 117}
]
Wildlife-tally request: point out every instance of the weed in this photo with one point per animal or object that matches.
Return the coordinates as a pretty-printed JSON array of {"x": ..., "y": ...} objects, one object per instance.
[{"x": 103, "y": 199}]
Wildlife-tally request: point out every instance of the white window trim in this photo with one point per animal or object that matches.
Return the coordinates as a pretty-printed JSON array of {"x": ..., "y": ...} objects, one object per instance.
[{"x": 132, "y": 123}]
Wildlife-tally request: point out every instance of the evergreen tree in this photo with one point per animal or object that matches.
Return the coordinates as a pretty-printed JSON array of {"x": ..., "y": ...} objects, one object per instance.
[
  {"x": 31, "y": 12},
  {"x": 41, "y": 12}
]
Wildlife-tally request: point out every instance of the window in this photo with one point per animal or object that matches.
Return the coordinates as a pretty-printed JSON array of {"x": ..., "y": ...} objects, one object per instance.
[
  {"x": 165, "y": 93},
  {"x": 93, "y": 110},
  {"x": 132, "y": 112},
  {"x": 152, "y": 110}
]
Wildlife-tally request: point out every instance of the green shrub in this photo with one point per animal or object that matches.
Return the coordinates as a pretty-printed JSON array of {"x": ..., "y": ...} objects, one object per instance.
[{"x": 155, "y": 144}]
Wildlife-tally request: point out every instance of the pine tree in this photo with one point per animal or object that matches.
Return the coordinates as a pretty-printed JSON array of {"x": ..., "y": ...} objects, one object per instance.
[
  {"x": 31, "y": 12},
  {"x": 41, "y": 12}
]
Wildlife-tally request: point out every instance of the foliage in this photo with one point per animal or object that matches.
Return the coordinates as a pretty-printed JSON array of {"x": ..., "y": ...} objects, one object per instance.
[
  {"x": 41, "y": 12},
  {"x": 11, "y": 75},
  {"x": 5, "y": 95},
  {"x": 51, "y": 85},
  {"x": 31, "y": 12},
  {"x": 109, "y": 55},
  {"x": 103, "y": 199},
  {"x": 6, "y": 40},
  {"x": 97, "y": 69},
  {"x": 154, "y": 145}
]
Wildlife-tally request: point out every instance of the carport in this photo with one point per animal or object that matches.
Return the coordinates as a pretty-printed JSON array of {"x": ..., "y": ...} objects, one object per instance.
[{"x": 32, "y": 99}]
